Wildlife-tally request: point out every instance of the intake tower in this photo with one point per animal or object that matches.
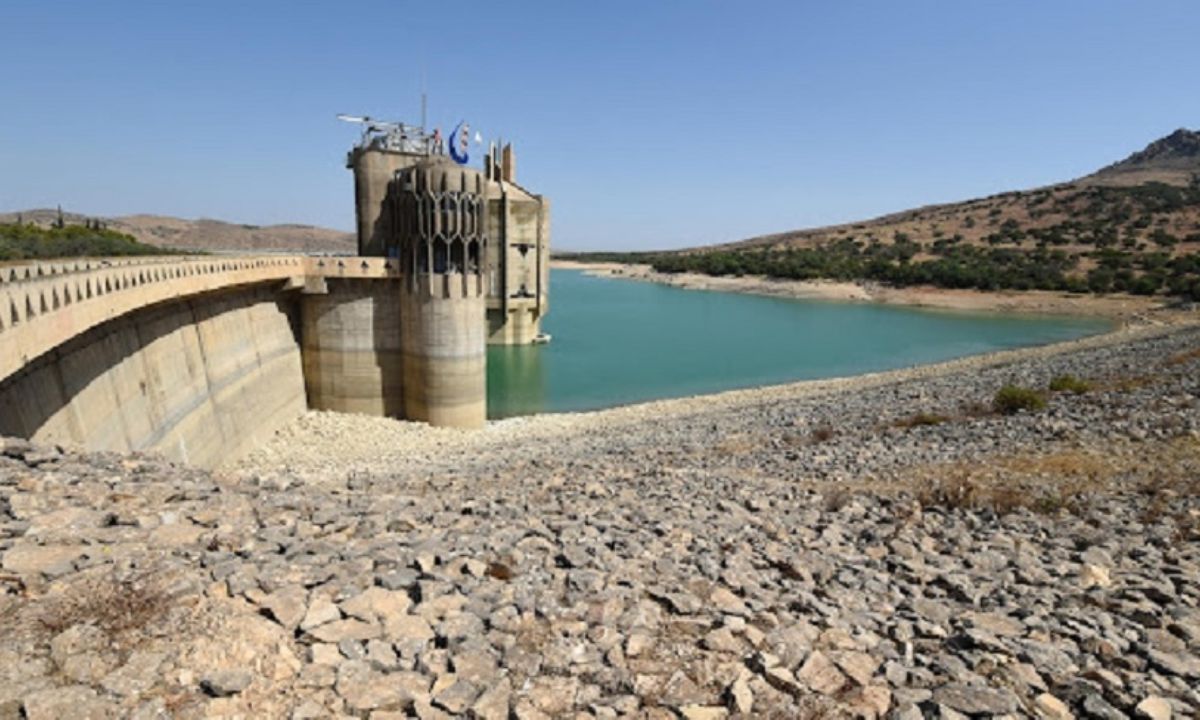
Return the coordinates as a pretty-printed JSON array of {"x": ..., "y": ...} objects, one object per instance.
[{"x": 516, "y": 222}]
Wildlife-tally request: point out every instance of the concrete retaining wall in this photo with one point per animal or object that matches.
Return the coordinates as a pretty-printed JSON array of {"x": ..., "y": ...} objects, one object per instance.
[
  {"x": 200, "y": 380},
  {"x": 201, "y": 358},
  {"x": 351, "y": 340}
]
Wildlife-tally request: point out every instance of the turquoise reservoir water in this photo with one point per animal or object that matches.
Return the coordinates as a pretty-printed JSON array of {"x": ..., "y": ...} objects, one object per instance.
[{"x": 622, "y": 341}]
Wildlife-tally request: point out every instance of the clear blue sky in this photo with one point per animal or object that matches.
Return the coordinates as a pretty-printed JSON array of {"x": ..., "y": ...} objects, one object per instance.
[{"x": 649, "y": 124}]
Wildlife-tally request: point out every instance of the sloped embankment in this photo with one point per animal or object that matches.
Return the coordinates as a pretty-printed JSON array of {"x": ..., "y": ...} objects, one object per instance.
[{"x": 889, "y": 546}]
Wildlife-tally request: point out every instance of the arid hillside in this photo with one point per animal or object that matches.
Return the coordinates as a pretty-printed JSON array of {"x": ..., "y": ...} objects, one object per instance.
[
  {"x": 1133, "y": 226},
  {"x": 1146, "y": 202},
  {"x": 1174, "y": 159},
  {"x": 206, "y": 235}
]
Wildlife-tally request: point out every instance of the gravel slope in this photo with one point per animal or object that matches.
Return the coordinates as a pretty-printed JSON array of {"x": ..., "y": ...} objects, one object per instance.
[{"x": 784, "y": 552}]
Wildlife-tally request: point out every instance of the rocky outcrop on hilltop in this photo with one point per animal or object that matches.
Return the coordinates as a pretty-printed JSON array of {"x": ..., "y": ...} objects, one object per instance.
[
  {"x": 1179, "y": 150},
  {"x": 881, "y": 548}
]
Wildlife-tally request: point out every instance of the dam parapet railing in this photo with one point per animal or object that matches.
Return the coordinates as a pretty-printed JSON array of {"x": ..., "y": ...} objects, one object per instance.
[{"x": 45, "y": 303}]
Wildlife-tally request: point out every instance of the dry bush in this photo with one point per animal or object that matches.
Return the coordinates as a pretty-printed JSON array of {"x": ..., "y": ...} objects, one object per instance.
[
  {"x": 818, "y": 435},
  {"x": 960, "y": 490},
  {"x": 1124, "y": 383},
  {"x": 1065, "y": 480},
  {"x": 1182, "y": 358},
  {"x": 677, "y": 648},
  {"x": 921, "y": 419},
  {"x": 1069, "y": 383},
  {"x": 824, "y": 433},
  {"x": 116, "y": 605},
  {"x": 1074, "y": 464},
  {"x": 736, "y": 445},
  {"x": 1171, "y": 485},
  {"x": 534, "y": 635},
  {"x": 975, "y": 409},
  {"x": 968, "y": 410},
  {"x": 1047, "y": 483},
  {"x": 793, "y": 440}
]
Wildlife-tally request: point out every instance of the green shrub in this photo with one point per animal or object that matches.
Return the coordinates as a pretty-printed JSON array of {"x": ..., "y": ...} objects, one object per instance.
[
  {"x": 1011, "y": 399},
  {"x": 1069, "y": 383},
  {"x": 30, "y": 242}
]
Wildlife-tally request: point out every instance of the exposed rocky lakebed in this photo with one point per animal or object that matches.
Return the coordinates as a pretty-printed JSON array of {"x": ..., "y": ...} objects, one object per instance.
[{"x": 876, "y": 548}]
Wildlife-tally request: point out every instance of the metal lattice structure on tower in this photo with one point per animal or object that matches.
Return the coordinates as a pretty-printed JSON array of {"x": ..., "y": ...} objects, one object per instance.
[{"x": 386, "y": 135}]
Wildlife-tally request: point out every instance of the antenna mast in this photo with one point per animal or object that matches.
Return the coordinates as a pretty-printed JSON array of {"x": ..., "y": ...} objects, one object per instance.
[{"x": 423, "y": 98}]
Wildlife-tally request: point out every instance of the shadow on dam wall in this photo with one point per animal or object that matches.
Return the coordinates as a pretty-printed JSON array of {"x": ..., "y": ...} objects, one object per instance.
[{"x": 201, "y": 380}]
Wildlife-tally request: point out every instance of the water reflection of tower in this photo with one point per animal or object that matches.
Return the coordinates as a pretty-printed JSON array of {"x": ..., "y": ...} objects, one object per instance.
[{"x": 516, "y": 380}]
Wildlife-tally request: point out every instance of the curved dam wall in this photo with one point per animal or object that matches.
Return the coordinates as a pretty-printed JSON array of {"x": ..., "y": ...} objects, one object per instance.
[
  {"x": 203, "y": 358},
  {"x": 201, "y": 380}
]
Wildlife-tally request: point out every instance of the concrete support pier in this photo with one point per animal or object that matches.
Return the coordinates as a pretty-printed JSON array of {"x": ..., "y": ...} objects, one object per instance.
[
  {"x": 351, "y": 334},
  {"x": 445, "y": 358}
]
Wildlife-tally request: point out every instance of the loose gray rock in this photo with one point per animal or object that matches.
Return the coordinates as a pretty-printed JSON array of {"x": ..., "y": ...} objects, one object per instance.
[
  {"x": 223, "y": 683},
  {"x": 976, "y": 700}
]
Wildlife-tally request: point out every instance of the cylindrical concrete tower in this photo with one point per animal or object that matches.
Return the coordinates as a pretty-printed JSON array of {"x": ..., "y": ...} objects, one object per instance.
[
  {"x": 439, "y": 217},
  {"x": 374, "y": 169}
]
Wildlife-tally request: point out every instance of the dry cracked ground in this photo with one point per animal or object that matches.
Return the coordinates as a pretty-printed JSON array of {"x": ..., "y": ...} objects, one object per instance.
[{"x": 889, "y": 548}]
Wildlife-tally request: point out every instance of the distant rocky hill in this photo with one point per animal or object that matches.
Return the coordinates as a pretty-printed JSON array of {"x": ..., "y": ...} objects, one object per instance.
[
  {"x": 1173, "y": 159},
  {"x": 206, "y": 235},
  {"x": 1133, "y": 226}
]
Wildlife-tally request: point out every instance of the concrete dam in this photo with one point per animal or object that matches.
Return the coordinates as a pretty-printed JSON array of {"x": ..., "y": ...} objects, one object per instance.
[{"x": 202, "y": 358}]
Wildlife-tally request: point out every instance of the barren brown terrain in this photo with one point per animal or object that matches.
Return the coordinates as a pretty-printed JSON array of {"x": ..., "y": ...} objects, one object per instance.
[
  {"x": 204, "y": 234},
  {"x": 1071, "y": 214}
]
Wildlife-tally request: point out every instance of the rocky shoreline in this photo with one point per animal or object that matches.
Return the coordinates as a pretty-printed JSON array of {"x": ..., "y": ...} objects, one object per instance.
[
  {"x": 1120, "y": 307},
  {"x": 882, "y": 546}
]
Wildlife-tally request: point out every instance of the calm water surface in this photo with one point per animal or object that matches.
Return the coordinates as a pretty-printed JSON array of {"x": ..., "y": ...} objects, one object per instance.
[{"x": 623, "y": 341}]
